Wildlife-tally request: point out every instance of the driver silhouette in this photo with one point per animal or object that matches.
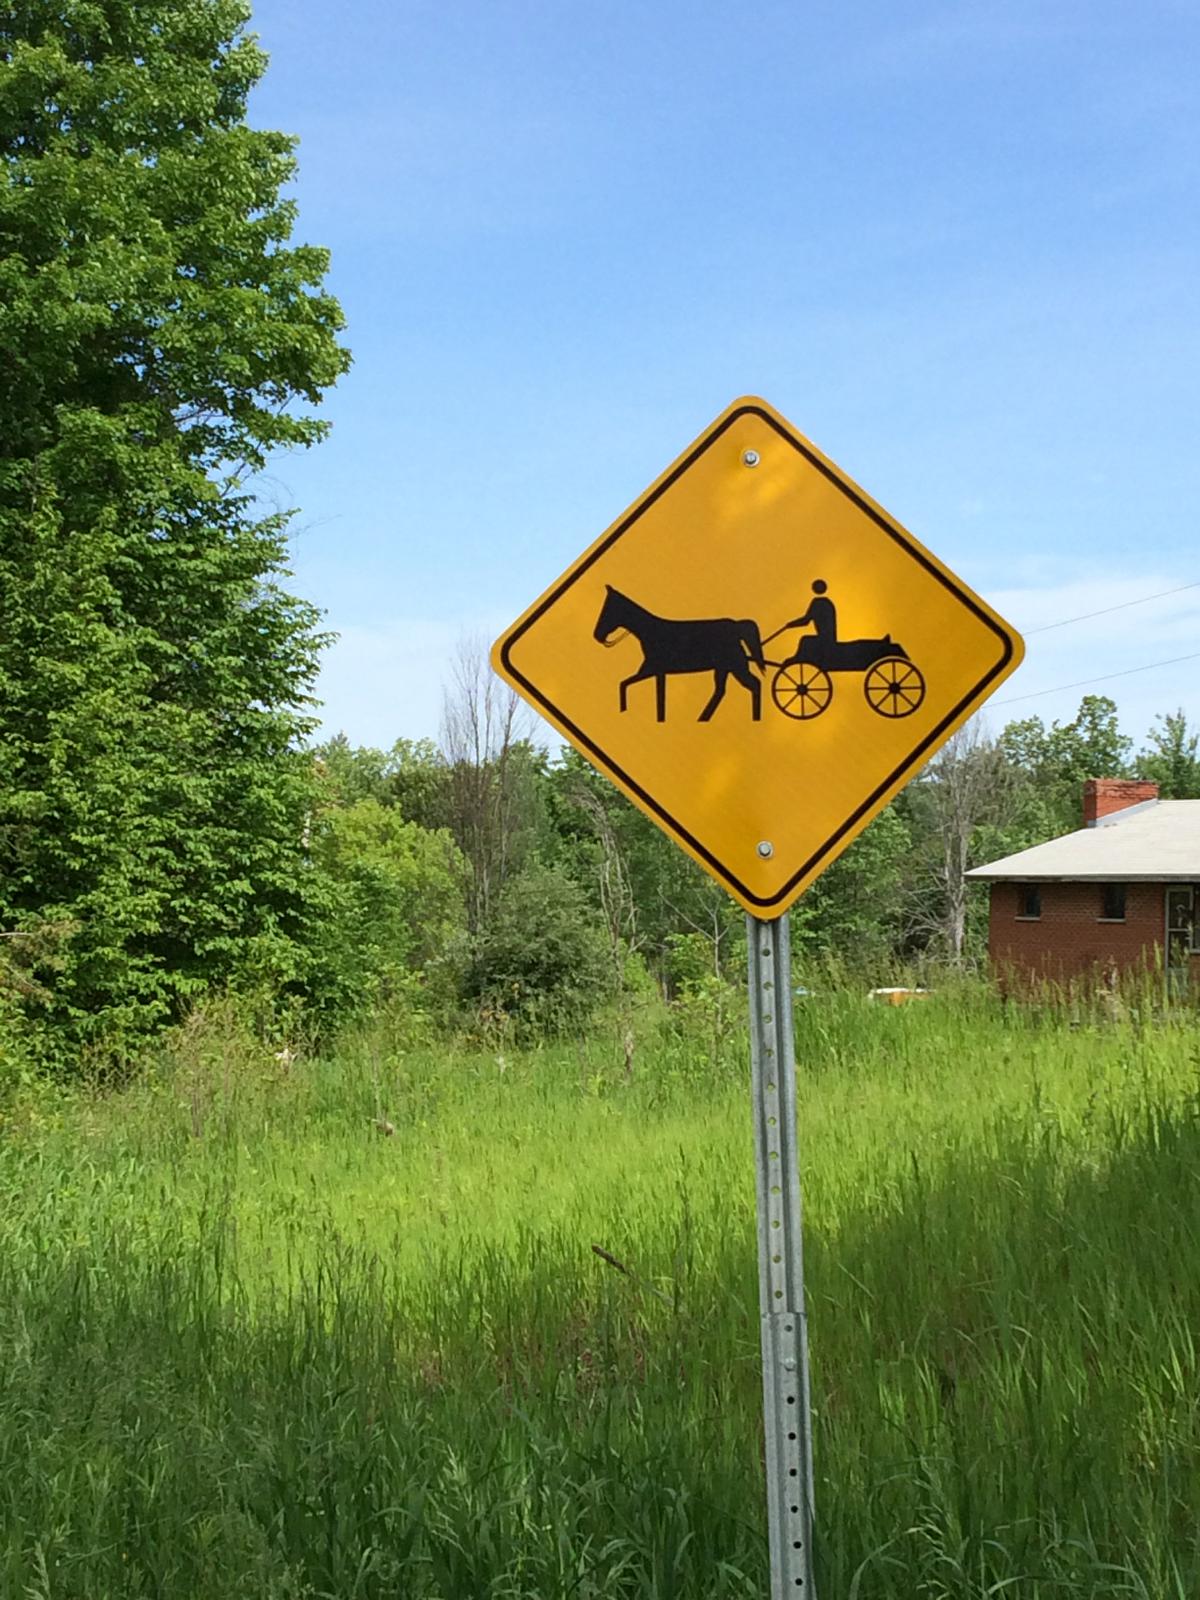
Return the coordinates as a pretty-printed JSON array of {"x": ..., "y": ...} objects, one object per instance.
[{"x": 822, "y": 615}]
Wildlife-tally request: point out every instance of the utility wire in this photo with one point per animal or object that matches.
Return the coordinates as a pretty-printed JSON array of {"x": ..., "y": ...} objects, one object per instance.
[
  {"x": 1082, "y": 683},
  {"x": 1105, "y": 611},
  {"x": 1086, "y": 616}
]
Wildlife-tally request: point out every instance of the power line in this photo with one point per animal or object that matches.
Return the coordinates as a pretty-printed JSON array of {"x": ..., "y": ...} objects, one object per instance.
[
  {"x": 1082, "y": 683},
  {"x": 1086, "y": 616}
]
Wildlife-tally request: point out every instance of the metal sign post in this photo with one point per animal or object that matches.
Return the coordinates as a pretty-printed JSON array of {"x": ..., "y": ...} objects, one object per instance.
[{"x": 787, "y": 1414}]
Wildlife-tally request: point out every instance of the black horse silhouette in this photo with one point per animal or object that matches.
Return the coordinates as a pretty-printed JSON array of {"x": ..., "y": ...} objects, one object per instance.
[{"x": 717, "y": 644}]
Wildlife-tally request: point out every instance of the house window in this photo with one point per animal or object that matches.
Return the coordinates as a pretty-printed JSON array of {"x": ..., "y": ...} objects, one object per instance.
[
  {"x": 1183, "y": 925},
  {"x": 1181, "y": 937},
  {"x": 1112, "y": 902},
  {"x": 1029, "y": 901}
]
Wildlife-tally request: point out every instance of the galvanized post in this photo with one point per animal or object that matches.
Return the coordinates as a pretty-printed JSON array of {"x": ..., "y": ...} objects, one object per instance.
[{"x": 786, "y": 1410}]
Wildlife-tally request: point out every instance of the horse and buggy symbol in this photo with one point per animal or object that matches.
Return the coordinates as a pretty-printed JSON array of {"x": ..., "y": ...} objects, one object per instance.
[{"x": 801, "y": 685}]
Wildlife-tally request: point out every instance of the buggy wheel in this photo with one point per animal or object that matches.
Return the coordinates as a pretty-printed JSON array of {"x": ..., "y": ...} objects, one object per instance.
[
  {"x": 801, "y": 690},
  {"x": 894, "y": 687}
]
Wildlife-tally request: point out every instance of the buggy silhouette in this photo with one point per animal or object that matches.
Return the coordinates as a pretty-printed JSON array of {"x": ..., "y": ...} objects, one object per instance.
[{"x": 802, "y": 686}]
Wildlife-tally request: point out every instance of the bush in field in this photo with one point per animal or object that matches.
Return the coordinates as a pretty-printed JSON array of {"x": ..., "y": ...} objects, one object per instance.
[
  {"x": 709, "y": 1004},
  {"x": 394, "y": 908},
  {"x": 543, "y": 961}
]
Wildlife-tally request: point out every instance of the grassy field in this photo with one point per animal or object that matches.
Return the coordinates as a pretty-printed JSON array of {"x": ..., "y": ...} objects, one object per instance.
[{"x": 252, "y": 1347}]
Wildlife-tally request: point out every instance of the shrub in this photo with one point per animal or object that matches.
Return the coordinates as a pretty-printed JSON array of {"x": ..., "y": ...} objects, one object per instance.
[
  {"x": 395, "y": 908},
  {"x": 542, "y": 963}
]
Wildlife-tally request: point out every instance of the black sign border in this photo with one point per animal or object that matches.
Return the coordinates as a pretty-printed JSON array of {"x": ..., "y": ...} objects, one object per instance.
[{"x": 623, "y": 527}]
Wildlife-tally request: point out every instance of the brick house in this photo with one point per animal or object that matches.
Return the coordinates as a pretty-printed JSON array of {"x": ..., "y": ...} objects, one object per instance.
[{"x": 1123, "y": 891}]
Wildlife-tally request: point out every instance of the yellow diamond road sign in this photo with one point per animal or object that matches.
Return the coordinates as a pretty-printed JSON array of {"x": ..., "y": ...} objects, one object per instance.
[{"x": 758, "y": 655}]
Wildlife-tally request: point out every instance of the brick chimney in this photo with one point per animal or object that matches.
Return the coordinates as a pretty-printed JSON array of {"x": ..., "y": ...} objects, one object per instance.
[{"x": 1103, "y": 796}]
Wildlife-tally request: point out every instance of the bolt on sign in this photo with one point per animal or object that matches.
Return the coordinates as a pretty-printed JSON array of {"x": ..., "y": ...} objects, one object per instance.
[{"x": 758, "y": 655}]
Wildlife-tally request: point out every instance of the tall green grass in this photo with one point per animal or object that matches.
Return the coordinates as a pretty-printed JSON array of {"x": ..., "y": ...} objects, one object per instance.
[{"x": 255, "y": 1346}]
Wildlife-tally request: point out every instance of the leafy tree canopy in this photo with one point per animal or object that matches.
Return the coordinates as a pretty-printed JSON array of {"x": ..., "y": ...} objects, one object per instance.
[
  {"x": 157, "y": 331},
  {"x": 396, "y": 906},
  {"x": 1055, "y": 762},
  {"x": 1171, "y": 759}
]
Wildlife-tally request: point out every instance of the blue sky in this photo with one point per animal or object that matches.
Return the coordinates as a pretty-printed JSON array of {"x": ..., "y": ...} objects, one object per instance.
[{"x": 957, "y": 245}]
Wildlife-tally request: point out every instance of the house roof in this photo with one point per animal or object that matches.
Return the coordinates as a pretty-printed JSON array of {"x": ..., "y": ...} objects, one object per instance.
[{"x": 1158, "y": 842}]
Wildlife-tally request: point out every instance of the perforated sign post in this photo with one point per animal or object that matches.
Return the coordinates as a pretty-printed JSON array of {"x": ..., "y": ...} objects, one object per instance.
[{"x": 761, "y": 658}]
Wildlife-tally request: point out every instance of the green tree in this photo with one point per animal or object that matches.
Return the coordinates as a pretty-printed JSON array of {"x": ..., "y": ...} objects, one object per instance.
[
  {"x": 1052, "y": 764},
  {"x": 412, "y": 776},
  {"x": 608, "y": 845},
  {"x": 856, "y": 909},
  {"x": 158, "y": 332},
  {"x": 417, "y": 782},
  {"x": 350, "y": 773},
  {"x": 964, "y": 798},
  {"x": 396, "y": 908},
  {"x": 1171, "y": 759},
  {"x": 493, "y": 778}
]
